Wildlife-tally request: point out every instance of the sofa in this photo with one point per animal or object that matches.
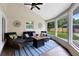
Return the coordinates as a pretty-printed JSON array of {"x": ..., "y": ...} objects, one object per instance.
[
  {"x": 30, "y": 34},
  {"x": 12, "y": 40}
]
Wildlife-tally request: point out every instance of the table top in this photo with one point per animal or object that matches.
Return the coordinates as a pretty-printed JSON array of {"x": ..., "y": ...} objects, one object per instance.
[{"x": 39, "y": 37}]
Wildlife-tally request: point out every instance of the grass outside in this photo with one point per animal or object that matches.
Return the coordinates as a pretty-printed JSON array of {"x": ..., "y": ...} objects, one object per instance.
[
  {"x": 63, "y": 35},
  {"x": 51, "y": 32}
]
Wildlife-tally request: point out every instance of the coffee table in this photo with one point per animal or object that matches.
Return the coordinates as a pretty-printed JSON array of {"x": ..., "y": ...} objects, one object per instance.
[{"x": 38, "y": 41}]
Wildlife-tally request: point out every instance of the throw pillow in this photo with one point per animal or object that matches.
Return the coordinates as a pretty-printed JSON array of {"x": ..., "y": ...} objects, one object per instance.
[
  {"x": 44, "y": 34},
  {"x": 11, "y": 36},
  {"x": 26, "y": 35},
  {"x": 15, "y": 36},
  {"x": 34, "y": 34}
]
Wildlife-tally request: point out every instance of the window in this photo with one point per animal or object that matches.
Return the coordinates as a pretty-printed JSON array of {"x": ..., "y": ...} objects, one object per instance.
[
  {"x": 29, "y": 25},
  {"x": 51, "y": 28},
  {"x": 76, "y": 27},
  {"x": 62, "y": 28}
]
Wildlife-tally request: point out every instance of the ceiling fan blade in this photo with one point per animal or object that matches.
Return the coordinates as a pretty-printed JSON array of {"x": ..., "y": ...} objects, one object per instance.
[
  {"x": 37, "y": 7},
  {"x": 32, "y": 7},
  {"x": 27, "y": 4},
  {"x": 39, "y": 3}
]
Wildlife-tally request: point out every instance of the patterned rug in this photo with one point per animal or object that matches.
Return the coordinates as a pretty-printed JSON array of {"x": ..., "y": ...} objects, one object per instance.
[{"x": 29, "y": 50}]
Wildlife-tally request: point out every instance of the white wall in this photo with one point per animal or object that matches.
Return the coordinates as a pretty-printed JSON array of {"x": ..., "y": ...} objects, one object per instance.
[{"x": 23, "y": 14}]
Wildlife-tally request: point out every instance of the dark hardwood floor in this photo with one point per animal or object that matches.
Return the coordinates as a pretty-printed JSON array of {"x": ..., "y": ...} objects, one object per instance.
[{"x": 8, "y": 51}]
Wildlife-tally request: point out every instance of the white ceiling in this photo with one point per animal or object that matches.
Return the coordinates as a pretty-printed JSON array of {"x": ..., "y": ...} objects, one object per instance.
[{"x": 50, "y": 10}]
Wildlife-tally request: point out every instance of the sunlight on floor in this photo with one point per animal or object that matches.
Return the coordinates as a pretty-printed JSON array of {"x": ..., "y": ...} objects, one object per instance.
[{"x": 58, "y": 51}]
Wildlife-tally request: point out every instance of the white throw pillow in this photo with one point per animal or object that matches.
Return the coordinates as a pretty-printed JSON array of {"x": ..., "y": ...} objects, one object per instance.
[
  {"x": 34, "y": 34},
  {"x": 44, "y": 34},
  {"x": 26, "y": 35}
]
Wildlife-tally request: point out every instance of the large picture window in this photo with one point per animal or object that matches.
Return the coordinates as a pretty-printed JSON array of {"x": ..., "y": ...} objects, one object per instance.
[
  {"x": 51, "y": 28},
  {"x": 76, "y": 27},
  {"x": 62, "y": 28}
]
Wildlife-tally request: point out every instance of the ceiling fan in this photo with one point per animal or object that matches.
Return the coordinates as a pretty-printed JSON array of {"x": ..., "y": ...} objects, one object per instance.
[{"x": 34, "y": 5}]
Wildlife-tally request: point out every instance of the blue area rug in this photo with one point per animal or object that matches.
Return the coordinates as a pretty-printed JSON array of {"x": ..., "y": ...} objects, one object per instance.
[{"x": 29, "y": 50}]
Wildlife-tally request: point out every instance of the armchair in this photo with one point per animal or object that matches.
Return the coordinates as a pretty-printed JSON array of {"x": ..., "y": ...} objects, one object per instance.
[{"x": 44, "y": 33}]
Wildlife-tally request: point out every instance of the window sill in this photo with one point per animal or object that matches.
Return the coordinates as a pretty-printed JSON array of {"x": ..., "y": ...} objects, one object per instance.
[
  {"x": 75, "y": 47},
  {"x": 62, "y": 39}
]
